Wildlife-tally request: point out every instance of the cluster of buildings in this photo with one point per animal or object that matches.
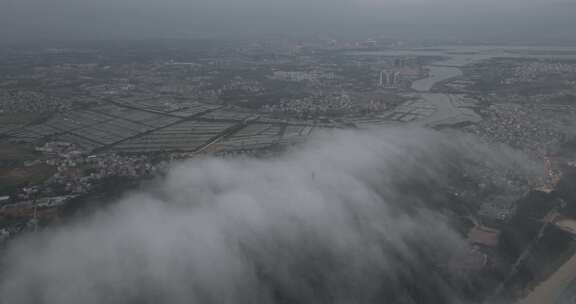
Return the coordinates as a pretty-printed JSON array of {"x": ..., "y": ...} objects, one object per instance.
[
  {"x": 303, "y": 76},
  {"x": 533, "y": 70},
  {"x": 24, "y": 101},
  {"x": 79, "y": 175},
  {"x": 389, "y": 79},
  {"x": 521, "y": 76},
  {"x": 399, "y": 78},
  {"x": 240, "y": 84},
  {"x": 522, "y": 127},
  {"x": 76, "y": 172},
  {"x": 317, "y": 106}
]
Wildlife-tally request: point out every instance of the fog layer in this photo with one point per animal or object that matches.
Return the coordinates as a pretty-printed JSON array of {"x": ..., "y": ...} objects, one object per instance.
[{"x": 351, "y": 217}]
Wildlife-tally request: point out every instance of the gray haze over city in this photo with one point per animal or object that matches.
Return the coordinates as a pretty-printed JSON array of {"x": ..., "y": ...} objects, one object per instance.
[
  {"x": 36, "y": 20},
  {"x": 287, "y": 152}
]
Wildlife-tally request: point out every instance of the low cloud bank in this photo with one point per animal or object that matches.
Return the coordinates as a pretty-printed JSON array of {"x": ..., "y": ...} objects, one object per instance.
[{"x": 351, "y": 217}]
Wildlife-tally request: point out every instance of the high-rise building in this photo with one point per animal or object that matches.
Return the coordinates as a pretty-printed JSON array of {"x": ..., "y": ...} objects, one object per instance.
[{"x": 389, "y": 78}]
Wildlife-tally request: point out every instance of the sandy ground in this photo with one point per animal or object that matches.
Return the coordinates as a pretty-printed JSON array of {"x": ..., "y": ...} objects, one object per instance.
[
  {"x": 550, "y": 290},
  {"x": 568, "y": 225}
]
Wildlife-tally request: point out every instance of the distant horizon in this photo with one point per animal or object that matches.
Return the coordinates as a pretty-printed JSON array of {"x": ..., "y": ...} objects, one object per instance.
[{"x": 26, "y": 21}]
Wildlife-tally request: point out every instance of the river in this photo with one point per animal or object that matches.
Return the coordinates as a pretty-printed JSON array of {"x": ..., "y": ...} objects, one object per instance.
[
  {"x": 447, "y": 108},
  {"x": 436, "y": 74},
  {"x": 457, "y": 56}
]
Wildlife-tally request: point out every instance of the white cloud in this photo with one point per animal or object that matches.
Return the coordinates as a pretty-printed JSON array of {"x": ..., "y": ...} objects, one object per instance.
[{"x": 332, "y": 222}]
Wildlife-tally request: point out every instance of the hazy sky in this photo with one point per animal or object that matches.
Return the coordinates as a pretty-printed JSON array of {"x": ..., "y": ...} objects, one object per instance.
[{"x": 101, "y": 19}]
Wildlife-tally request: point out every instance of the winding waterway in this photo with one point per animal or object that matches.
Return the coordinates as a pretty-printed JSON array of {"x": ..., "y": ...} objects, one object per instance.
[{"x": 456, "y": 57}]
